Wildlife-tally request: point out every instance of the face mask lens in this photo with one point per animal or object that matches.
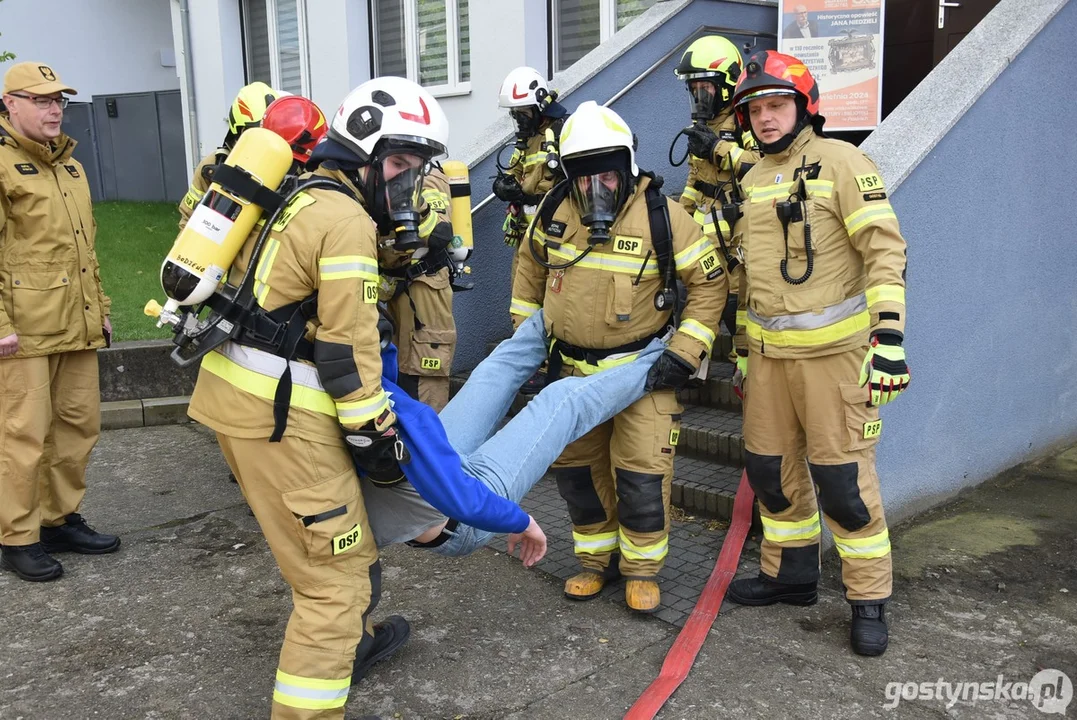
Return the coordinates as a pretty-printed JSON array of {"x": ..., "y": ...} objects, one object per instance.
[
  {"x": 702, "y": 94},
  {"x": 403, "y": 184},
  {"x": 524, "y": 119},
  {"x": 598, "y": 198}
]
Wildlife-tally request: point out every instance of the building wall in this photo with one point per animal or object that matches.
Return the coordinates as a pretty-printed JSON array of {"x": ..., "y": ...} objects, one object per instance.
[
  {"x": 503, "y": 36},
  {"x": 655, "y": 109},
  {"x": 991, "y": 295},
  {"x": 98, "y": 46}
]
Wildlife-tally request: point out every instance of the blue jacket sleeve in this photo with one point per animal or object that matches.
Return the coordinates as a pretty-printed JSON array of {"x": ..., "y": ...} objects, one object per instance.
[{"x": 436, "y": 472}]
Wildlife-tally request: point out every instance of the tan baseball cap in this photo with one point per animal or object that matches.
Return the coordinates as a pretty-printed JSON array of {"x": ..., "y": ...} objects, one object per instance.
[{"x": 36, "y": 78}]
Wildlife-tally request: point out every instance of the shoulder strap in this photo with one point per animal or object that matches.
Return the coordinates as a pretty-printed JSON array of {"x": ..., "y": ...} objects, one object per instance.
[
  {"x": 553, "y": 200},
  {"x": 661, "y": 231}
]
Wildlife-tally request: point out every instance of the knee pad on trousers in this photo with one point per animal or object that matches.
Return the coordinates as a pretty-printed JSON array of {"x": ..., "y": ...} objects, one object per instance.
[
  {"x": 367, "y": 640},
  {"x": 765, "y": 477},
  {"x": 839, "y": 494},
  {"x": 799, "y": 565},
  {"x": 578, "y": 490},
  {"x": 639, "y": 501}
]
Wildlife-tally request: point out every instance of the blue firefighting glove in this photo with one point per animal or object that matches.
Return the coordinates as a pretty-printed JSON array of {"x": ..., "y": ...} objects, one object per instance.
[{"x": 884, "y": 369}]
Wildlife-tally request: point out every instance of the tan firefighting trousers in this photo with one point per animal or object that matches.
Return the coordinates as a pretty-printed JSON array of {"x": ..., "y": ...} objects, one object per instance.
[
  {"x": 50, "y": 420},
  {"x": 813, "y": 408},
  {"x": 306, "y": 498},
  {"x": 616, "y": 480},
  {"x": 426, "y": 344}
]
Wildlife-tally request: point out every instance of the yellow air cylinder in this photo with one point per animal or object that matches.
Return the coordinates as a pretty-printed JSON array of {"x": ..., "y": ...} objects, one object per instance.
[
  {"x": 221, "y": 222},
  {"x": 459, "y": 209}
]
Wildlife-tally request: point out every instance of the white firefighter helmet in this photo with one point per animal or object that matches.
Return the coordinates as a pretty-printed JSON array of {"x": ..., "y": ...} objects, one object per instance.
[
  {"x": 596, "y": 130},
  {"x": 524, "y": 87},
  {"x": 391, "y": 113}
]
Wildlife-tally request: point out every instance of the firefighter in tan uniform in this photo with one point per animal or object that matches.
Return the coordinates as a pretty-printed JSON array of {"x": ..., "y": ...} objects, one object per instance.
[
  {"x": 53, "y": 317},
  {"x": 535, "y": 164},
  {"x": 416, "y": 284},
  {"x": 718, "y": 149},
  {"x": 825, "y": 317},
  {"x": 302, "y": 484},
  {"x": 534, "y": 167},
  {"x": 247, "y": 111},
  {"x": 611, "y": 254}
]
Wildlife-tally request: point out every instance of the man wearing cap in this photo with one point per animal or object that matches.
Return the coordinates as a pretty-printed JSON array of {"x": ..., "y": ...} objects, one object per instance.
[{"x": 53, "y": 317}]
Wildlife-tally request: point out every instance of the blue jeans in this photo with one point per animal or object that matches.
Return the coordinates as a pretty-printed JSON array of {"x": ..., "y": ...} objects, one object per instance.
[{"x": 511, "y": 461}]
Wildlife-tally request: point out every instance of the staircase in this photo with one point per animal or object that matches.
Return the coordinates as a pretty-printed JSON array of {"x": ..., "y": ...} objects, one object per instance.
[{"x": 710, "y": 452}]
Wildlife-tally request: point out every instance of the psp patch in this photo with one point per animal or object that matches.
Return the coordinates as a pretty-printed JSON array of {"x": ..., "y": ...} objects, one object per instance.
[
  {"x": 873, "y": 429},
  {"x": 869, "y": 182},
  {"x": 26, "y": 168},
  {"x": 430, "y": 363},
  {"x": 674, "y": 436},
  {"x": 347, "y": 541}
]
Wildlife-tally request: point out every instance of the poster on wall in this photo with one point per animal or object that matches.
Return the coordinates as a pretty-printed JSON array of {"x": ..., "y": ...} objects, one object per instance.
[{"x": 841, "y": 42}]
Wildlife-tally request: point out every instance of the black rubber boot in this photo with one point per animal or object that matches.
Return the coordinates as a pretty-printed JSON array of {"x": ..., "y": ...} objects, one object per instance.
[
  {"x": 869, "y": 634},
  {"x": 30, "y": 562},
  {"x": 764, "y": 591},
  {"x": 76, "y": 536},
  {"x": 389, "y": 636}
]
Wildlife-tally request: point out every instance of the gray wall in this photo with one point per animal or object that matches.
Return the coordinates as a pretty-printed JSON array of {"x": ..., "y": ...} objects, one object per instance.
[
  {"x": 655, "y": 109},
  {"x": 989, "y": 218},
  {"x": 140, "y": 148}
]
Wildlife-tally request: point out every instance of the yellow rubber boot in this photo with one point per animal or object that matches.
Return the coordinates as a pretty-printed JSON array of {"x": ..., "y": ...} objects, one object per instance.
[
  {"x": 643, "y": 596},
  {"x": 585, "y": 585}
]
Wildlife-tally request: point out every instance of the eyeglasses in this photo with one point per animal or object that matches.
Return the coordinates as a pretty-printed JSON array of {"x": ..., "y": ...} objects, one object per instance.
[{"x": 42, "y": 102}]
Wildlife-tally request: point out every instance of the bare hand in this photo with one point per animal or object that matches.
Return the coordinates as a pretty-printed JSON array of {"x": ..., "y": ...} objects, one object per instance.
[
  {"x": 108, "y": 324},
  {"x": 9, "y": 345},
  {"x": 532, "y": 543}
]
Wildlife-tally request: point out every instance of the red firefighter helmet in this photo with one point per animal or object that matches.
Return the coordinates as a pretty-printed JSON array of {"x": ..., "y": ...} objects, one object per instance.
[
  {"x": 768, "y": 72},
  {"x": 299, "y": 121}
]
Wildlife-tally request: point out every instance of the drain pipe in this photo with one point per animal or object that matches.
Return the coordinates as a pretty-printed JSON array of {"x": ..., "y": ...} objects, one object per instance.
[{"x": 188, "y": 82}]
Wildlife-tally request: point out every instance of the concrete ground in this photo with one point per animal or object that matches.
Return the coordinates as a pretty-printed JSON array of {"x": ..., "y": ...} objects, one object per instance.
[{"x": 186, "y": 620}]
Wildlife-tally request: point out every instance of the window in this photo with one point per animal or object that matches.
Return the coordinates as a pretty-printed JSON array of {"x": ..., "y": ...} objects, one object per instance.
[
  {"x": 276, "y": 38},
  {"x": 428, "y": 41},
  {"x": 581, "y": 25}
]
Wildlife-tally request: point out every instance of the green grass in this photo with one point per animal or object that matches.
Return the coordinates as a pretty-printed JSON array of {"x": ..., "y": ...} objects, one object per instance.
[{"x": 132, "y": 241}]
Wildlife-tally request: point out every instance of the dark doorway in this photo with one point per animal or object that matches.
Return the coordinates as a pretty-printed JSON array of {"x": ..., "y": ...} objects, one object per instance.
[{"x": 954, "y": 20}]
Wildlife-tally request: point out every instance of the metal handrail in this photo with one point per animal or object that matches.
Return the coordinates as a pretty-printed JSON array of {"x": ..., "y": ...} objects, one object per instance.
[{"x": 691, "y": 37}]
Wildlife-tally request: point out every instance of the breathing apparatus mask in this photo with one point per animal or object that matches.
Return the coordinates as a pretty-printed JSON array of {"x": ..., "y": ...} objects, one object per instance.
[
  {"x": 393, "y": 189},
  {"x": 600, "y": 185},
  {"x": 527, "y": 121},
  {"x": 706, "y": 101}
]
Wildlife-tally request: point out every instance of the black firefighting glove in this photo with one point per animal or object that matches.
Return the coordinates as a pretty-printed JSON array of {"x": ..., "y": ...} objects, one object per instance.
[
  {"x": 701, "y": 141},
  {"x": 507, "y": 188},
  {"x": 378, "y": 454},
  {"x": 440, "y": 237},
  {"x": 670, "y": 372}
]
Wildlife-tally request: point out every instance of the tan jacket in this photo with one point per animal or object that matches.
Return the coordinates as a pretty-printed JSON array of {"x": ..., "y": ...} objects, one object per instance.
[
  {"x": 595, "y": 303},
  {"x": 203, "y": 177},
  {"x": 529, "y": 167},
  {"x": 857, "y": 283},
  {"x": 734, "y": 153},
  {"x": 50, "y": 281},
  {"x": 324, "y": 243}
]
